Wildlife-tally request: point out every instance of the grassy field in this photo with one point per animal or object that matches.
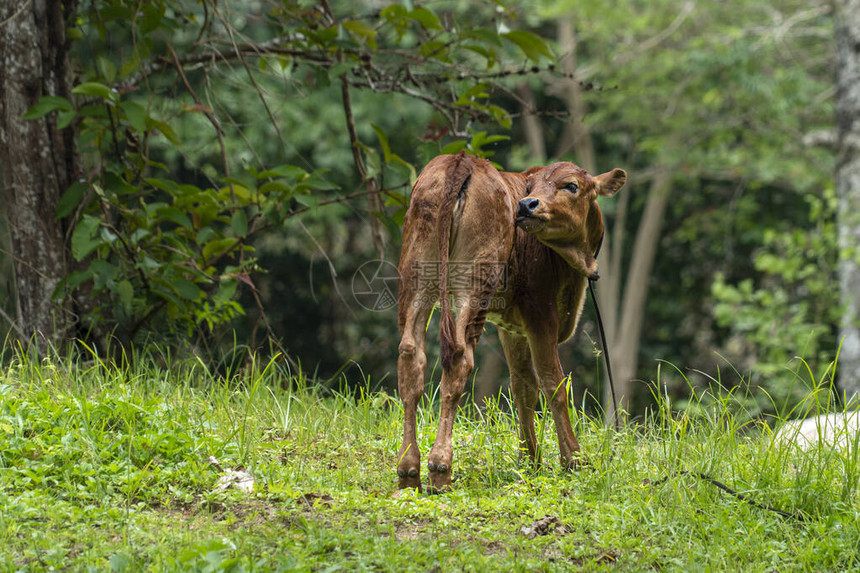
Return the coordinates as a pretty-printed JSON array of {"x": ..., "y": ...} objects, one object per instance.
[{"x": 105, "y": 468}]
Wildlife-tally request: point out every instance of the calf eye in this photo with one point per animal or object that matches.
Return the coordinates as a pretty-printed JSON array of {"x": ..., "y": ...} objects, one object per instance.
[{"x": 572, "y": 187}]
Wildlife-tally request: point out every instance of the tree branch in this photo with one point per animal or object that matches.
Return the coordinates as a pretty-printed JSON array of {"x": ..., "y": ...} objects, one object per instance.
[
  {"x": 370, "y": 182},
  {"x": 205, "y": 109}
]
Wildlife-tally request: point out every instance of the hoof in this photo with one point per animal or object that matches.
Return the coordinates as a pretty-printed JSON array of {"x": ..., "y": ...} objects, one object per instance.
[
  {"x": 409, "y": 478},
  {"x": 440, "y": 478},
  {"x": 440, "y": 468},
  {"x": 409, "y": 482},
  {"x": 576, "y": 463}
]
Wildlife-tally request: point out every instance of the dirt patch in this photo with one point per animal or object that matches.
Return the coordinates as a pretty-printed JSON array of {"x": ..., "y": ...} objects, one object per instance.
[
  {"x": 310, "y": 500},
  {"x": 495, "y": 548},
  {"x": 410, "y": 530}
]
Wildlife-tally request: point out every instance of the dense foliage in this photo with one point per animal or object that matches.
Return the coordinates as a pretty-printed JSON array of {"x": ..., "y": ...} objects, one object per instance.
[{"x": 244, "y": 160}]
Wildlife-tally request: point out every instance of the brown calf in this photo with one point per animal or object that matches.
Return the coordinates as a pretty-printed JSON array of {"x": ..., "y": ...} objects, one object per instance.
[{"x": 511, "y": 248}]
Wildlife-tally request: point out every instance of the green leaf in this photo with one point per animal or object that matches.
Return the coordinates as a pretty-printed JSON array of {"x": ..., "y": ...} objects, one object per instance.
[
  {"x": 226, "y": 289},
  {"x": 165, "y": 290},
  {"x": 454, "y": 147},
  {"x": 481, "y": 139},
  {"x": 65, "y": 118},
  {"x": 501, "y": 115},
  {"x": 392, "y": 157},
  {"x": 362, "y": 30},
  {"x": 129, "y": 67},
  {"x": 46, "y": 105},
  {"x": 216, "y": 247},
  {"x": 395, "y": 14},
  {"x": 165, "y": 185},
  {"x": 70, "y": 199},
  {"x": 240, "y": 192},
  {"x": 95, "y": 89},
  {"x": 488, "y": 53},
  {"x": 239, "y": 223},
  {"x": 531, "y": 45},
  {"x": 167, "y": 132},
  {"x": 486, "y": 36},
  {"x": 70, "y": 283},
  {"x": 340, "y": 69},
  {"x": 120, "y": 562},
  {"x": 112, "y": 12},
  {"x": 426, "y": 18},
  {"x": 185, "y": 288},
  {"x": 315, "y": 181},
  {"x": 205, "y": 235},
  {"x": 306, "y": 200},
  {"x": 84, "y": 237},
  {"x": 435, "y": 49},
  {"x": 103, "y": 272},
  {"x": 174, "y": 215},
  {"x": 125, "y": 292},
  {"x": 107, "y": 235},
  {"x": 135, "y": 114},
  {"x": 97, "y": 111},
  {"x": 282, "y": 171},
  {"x": 138, "y": 235},
  {"x": 153, "y": 17},
  {"x": 107, "y": 69},
  {"x": 477, "y": 91},
  {"x": 274, "y": 187},
  {"x": 383, "y": 140},
  {"x": 116, "y": 184}
]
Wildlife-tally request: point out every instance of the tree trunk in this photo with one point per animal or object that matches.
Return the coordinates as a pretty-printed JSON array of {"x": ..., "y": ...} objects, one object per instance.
[
  {"x": 627, "y": 334},
  {"x": 532, "y": 128},
  {"x": 848, "y": 188},
  {"x": 576, "y": 136},
  {"x": 37, "y": 161}
]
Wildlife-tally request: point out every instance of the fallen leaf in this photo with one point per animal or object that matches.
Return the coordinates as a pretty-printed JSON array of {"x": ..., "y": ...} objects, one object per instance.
[
  {"x": 544, "y": 526},
  {"x": 607, "y": 557},
  {"x": 239, "y": 479}
]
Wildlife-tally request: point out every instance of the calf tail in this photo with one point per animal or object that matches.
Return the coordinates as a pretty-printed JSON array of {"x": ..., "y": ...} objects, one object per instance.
[{"x": 456, "y": 180}]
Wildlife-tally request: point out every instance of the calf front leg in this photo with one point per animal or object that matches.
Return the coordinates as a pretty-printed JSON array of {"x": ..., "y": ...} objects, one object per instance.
[{"x": 544, "y": 350}]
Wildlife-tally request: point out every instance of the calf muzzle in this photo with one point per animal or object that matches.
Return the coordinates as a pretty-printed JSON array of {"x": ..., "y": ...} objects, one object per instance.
[{"x": 527, "y": 207}]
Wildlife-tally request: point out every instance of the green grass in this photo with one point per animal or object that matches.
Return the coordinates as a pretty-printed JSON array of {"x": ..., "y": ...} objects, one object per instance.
[{"x": 106, "y": 468}]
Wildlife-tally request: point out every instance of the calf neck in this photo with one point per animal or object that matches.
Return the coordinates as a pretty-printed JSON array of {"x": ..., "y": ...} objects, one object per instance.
[{"x": 513, "y": 248}]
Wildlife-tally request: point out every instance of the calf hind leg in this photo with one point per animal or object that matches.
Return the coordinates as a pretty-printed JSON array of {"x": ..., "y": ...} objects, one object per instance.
[
  {"x": 442, "y": 453},
  {"x": 471, "y": 314},
  {"x": 410, "y": 384}
]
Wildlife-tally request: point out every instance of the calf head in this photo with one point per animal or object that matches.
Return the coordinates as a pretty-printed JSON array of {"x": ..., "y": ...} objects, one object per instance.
[{"x": 560, "y": 210}]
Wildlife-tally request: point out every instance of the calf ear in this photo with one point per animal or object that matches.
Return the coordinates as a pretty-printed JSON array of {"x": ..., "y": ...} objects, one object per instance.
[{"x": 610, "y": 182}]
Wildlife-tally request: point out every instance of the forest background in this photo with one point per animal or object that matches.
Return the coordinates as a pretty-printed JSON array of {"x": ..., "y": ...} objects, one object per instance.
[{"x": 220, "y": 178}]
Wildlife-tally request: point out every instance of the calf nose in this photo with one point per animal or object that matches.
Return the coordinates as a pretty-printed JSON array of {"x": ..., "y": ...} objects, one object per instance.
[{"x": 527, "y": 207}]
